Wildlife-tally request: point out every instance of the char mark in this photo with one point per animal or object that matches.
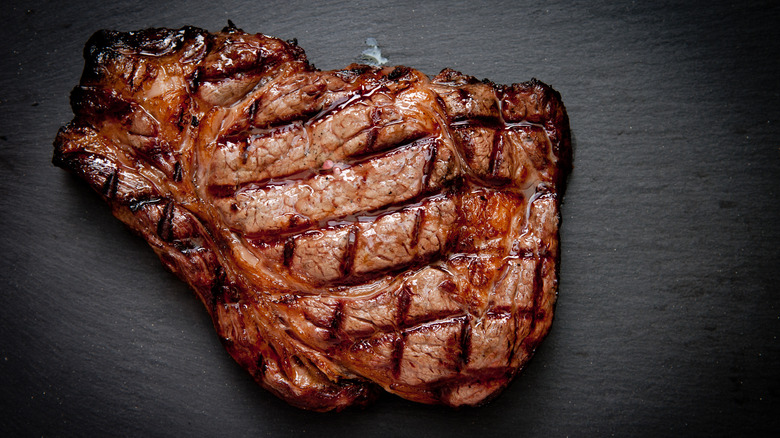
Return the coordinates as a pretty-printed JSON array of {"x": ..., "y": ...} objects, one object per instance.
[
  {"x": 289, "y": 250},
  {"x": 165, "y": 224},
  {"x": 349, "y": 253},
  {"x": 111, "y": 185},
  {"x": 398, "y": 354},
  {"x": 465, "y": 342}
]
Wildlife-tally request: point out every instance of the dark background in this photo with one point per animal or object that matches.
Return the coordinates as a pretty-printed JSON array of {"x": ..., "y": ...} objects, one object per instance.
[{"x": 668, "y": 312}]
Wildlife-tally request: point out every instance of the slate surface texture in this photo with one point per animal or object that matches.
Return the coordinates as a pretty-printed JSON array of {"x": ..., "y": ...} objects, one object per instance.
[{"x": 669, "y": 303}]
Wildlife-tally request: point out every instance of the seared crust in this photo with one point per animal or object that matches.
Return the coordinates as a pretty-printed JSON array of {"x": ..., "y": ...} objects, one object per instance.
[{"x": 348, "y": 231}]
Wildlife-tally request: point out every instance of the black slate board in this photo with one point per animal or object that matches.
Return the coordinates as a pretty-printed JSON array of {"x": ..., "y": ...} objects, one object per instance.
[{"x": 669, "y": 305}]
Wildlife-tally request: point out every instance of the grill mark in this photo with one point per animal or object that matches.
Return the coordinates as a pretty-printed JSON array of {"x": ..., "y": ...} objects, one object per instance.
[
  {"x": 398, "y": 354},
  {"x": 261, "y": 365},
  {"x": 165, "y": 224},
  {"x": 373, "y": 132},
  {"x": 418, "y": 220},
  {"x": 253, "y": 109},
  {"x": 130, "y": 82},
  {"x": 429, "y": 165},
  {"x": 338, "y": 316},
  {"x": 289, "y": 250},
  {"x": 349, "y": 252},
  {"x": 111, "y": 185},
  {"x": 245, "y": 145},
  {"x": 496, "y": 154},
  {"x": 465, "y": 343},
  {"x": 180, "y": 119},
  {"x": 177, "y": 172},
  {"x": 404, "y": 303},
  {"x": 194, "y": 80},
  {"x": 372, "y": 135}
]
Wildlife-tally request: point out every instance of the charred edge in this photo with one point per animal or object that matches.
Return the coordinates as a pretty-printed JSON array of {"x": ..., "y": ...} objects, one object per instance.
[
  {"x": 165, "y": 225},
  {"x": 398, "y": 354},
  {"x": 404, "y": 303},
  {"x": 111, "y": 185},
  {"x": 465, "y": 342},
  {"x": 98, "y": 104},
  {"x": 398, "y": 72},
  {"x": 349, "y": 253},
  {"x": 177, "y": 172},
  {"x": 464, "y": 95},
  {"x": 289, "y": 250},
  {"x": 194, "y": 122},
  {"x": 231, "y": 27},
  {"x": 359, "y": 69},
  {"x": 105, "y": 46}
]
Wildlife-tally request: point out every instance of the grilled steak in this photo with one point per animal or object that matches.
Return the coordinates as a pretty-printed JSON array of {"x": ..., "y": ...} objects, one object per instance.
[{"x": 348, "y": 231}]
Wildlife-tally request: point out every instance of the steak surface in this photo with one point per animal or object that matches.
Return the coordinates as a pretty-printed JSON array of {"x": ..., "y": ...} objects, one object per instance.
[{"x": 348, "y": 231}]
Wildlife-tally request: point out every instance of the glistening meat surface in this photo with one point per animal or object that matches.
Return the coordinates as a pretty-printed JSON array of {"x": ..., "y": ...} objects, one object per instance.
[{"x": 348, "y": 231}]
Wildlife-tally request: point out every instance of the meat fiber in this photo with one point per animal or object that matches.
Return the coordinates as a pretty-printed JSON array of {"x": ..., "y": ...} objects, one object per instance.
[{"x": 348, "y": 231}]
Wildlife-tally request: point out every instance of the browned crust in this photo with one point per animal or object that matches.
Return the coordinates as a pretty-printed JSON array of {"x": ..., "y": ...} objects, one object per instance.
[{"x": 147, "y": 100}]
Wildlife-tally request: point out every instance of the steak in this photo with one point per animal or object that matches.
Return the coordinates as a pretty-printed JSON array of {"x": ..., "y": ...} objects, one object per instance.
[{"x": 348, "y": 231}]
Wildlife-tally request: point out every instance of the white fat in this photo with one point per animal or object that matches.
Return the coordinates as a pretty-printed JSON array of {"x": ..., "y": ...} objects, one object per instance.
[{"x": 372, "y": 55}]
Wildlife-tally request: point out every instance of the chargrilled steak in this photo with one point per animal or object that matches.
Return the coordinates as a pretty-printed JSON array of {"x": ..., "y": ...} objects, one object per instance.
[{"x": 347, "y": 230}]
